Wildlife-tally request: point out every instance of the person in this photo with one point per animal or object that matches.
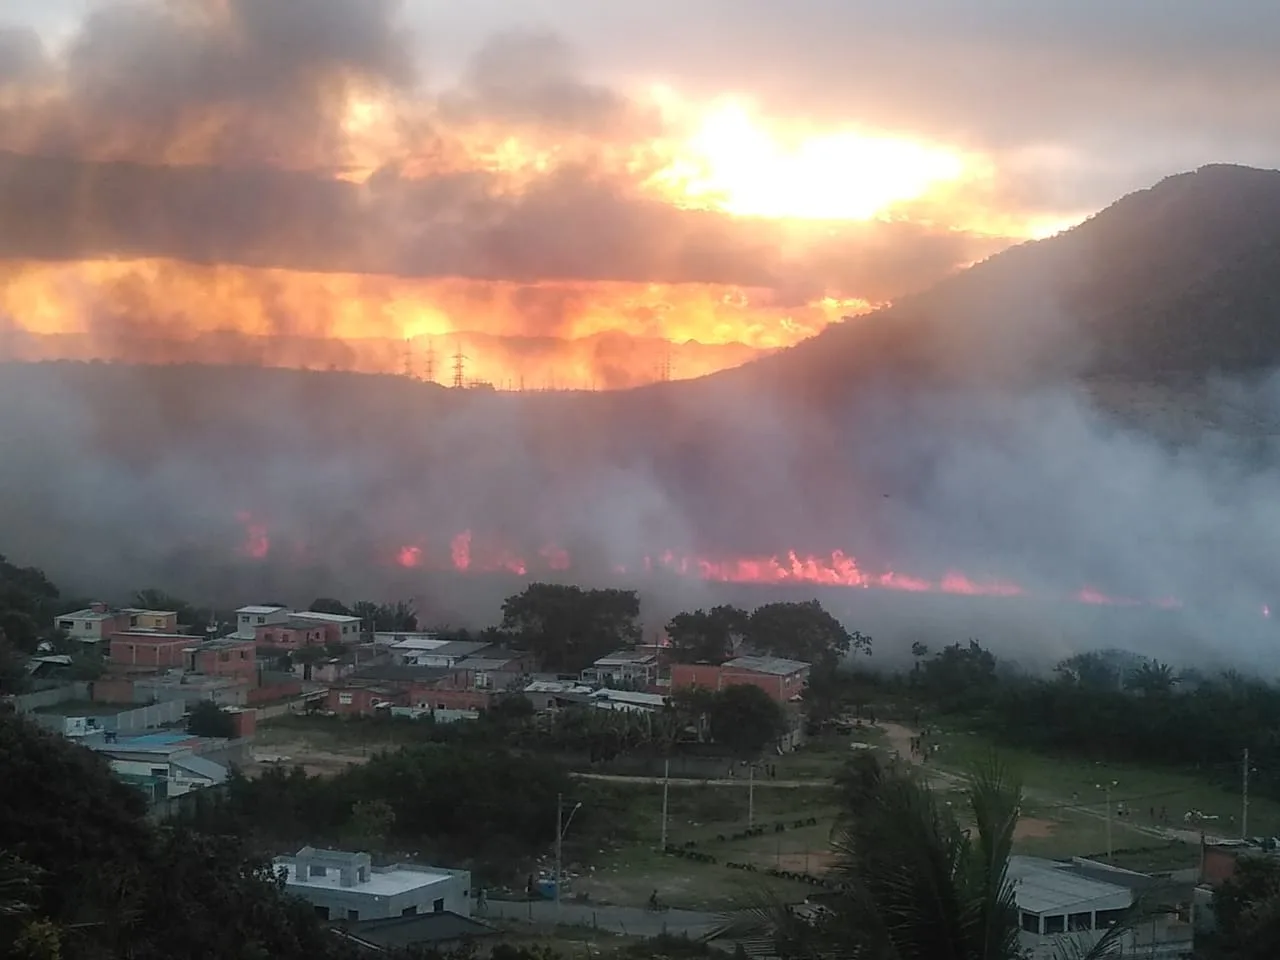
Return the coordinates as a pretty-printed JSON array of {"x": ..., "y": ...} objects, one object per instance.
[
  {"x": 653, "y": 900},
  {"x": 480, "y": 902}
]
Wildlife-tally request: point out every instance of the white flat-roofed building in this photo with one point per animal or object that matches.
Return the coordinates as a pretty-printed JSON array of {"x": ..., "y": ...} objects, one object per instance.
[
  {"x": 1064, "y": 907},
  {"x": 347, "y": 627},
  {"x": 248, "y": 619},
  {"x": 346, "y": 886}
]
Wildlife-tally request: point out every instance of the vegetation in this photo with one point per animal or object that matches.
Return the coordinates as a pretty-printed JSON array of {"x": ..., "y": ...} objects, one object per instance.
[
  {"x": 797, "y": 631},
  {"x": 85, "y": 875},
  {"x": 207, "y": 719},
  {"x": 568, "y": 628},
  {"x": 915, "y": 879},
  {"x": 1247, "y": 912}
]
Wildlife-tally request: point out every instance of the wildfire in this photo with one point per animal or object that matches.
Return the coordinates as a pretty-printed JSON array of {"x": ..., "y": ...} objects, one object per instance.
[
  {"x": 567, "y": 334},
  {"x": 467, "y": 553}
]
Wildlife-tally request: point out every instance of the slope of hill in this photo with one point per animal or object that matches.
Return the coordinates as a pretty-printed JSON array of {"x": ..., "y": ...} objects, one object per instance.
[{"x": 1180, "y": 280}]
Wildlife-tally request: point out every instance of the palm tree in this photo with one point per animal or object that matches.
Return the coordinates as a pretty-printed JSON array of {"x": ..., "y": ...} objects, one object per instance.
[
  {"x": 914, "y": 881},
  {"x": 1152, "y": 678}
]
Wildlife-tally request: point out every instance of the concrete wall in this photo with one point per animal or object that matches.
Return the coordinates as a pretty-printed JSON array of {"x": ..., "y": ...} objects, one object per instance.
[
  {"x": 27, "y": 702},
  {"x": 146, "y": 718}
]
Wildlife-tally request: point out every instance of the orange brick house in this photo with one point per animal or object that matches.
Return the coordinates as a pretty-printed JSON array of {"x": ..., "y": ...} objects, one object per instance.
[
  {"x": 294, "y": 634},
  {"x": 225, "y": 658},
  {"x": 784, "y": 680},
  {"x": 359, "y": 700},
  {"x": 150, "y": 650}
]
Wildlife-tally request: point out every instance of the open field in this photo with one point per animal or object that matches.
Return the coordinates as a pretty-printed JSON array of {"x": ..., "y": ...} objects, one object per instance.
[
  {"x": 1145, "y": 791},
  {"x": 322, "y": 745}
]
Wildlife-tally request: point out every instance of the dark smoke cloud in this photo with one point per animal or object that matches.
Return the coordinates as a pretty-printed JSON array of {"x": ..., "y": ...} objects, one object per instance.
[
  {"x": 122, "y": 474},
  {"x": 572, "y": 225}
]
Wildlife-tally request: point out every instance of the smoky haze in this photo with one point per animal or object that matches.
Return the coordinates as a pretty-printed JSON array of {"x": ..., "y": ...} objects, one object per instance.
[{"x": 118, "y": 477}]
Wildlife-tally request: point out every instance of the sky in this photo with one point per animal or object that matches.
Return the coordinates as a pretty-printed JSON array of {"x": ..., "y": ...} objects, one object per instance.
[{"x": 576, "y": 193}]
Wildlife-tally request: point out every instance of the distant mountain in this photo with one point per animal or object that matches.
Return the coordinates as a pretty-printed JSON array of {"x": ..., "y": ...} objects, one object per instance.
[{"x": 1178, "y": 281}]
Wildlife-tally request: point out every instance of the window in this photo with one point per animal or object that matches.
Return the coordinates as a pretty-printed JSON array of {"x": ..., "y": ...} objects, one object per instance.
[
  {"x": 159, "y": 771},
  {"x": 353, "y": 916},
  {"x": 344, "y": 699},
  {"x": 66, "y": 624},
  {"x": 1055, "y": 924},
  {"x": 1080, "y": 921},
  {"x": 1030, "y": 922},
  {"x": 322, "y": 913},
  {"x": 437, "y": 906},
  {"x": 262, "y": 619},
  {"x": 409, "y": 911},
  {"x": 244, "y": 654},
  {"x": 133, "y": 619},
  {"x": 244, "y": 618},
  {"x": 1107, "y": 919},
  {"x": 315, "y": 870}
]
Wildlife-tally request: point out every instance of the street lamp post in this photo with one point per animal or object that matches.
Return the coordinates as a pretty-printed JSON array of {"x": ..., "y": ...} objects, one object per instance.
[
  {"x": 562, "y": 824},
  {"x": 1106, "y": 787}
]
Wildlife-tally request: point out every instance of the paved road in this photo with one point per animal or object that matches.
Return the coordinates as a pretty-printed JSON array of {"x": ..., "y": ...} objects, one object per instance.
[
  {"x": 630, "y": 921},
  {"x": 691, "y": 782}
]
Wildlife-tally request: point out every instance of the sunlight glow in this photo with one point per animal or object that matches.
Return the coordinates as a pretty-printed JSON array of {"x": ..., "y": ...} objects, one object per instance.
[{"x": 739, "y": 164}]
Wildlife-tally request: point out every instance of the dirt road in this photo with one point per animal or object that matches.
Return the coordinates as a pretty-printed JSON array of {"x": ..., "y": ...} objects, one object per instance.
[{"x": 760, "y": 782}]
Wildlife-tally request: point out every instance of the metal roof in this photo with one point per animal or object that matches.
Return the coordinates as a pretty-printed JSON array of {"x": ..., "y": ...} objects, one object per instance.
[
  {"x": 1046, "y": 887},
  {"x": 202, "y": 768},
  {"x": 777, "y": 666},
  {"x": 625, "y": 656},
  {"x": 260, "y": 610},
  {"x": 325, "y": 617}
]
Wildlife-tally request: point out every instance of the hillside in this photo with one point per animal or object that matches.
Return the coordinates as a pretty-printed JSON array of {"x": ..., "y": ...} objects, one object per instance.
[{"x": 1178, "y": 281}]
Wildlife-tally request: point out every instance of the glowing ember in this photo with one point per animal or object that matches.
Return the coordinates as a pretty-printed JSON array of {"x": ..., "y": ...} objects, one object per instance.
[
  {"x": 256, "y": 543},
  {"x": 471, "y": 554},
  {"x": 409, "y": 557}
]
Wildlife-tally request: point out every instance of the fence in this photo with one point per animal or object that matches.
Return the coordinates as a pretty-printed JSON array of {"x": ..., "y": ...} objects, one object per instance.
[
  {"x": 146, "y": 718},
  {"x": 27, "y": 702}
]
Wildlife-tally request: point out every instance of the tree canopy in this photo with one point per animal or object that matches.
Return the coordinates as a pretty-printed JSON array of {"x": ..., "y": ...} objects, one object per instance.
[
  {"x": 745, "y": 719},
  {"x": 29, "y": 602},
  {"x": 706, "y": 636},
  {"x": 802, "y": 631},
  {"x": 568, "y": 627}
]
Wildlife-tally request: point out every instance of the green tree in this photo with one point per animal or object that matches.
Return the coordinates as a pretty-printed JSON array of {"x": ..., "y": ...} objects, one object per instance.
[
  {"x": 330, "y": 605},
  {"x": 1246, "y": 909},
  {"x": 207, "y": 719},
  {"x": 916, "y": 880},
  {"x": 371, "y": 822},
  {"x": 745, "y": 719},
  {"x": 802, "y": 631},
  {"x": 1152, "y": 679},
  {"x": 706, "y": 636},
  {"x": 13, "y": 670},
  {"x": 567, "y": 627},
  {"x": 1090, "y": 671}
]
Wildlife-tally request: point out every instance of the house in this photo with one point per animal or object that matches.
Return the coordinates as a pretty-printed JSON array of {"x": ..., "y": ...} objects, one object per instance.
[
  {"x": 347, "y": 887},
  {"x": 98, "y": 622},
  {"x": 163, "y": 765},
  {"x": 782, "y": 679},
  {"x": 150, "y": 650},
  {"x": 632, "y": 669},
  {"x": 1066, "y": 906},
  {"x": 225, "y": 658},
  {"x": 434, "y": 688},
  {"x": 442, "y": 932},
  {"x": 363, "y": 700},
  {"x": 450, "y": 654},
  {"x": 341, "y": 628},
  {"x": 292, "y": 633},
  {"x": 496, "y": 669},
  {"x": 423, "y": 640},
  {"x": 248, "y": 619},
  {"x": 547, "y": 694}
]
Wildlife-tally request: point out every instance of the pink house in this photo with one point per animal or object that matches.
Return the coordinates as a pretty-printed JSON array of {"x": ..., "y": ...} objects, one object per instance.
[{"x": 784, "y": 680}]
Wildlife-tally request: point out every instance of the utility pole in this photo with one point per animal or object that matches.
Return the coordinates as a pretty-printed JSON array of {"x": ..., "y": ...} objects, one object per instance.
[
  {"x": 1244, "y": 813},
  {"x": 751, "y": 794},
  {"x": 1106, "y": 788},
  {"x": 561, "y": 826},
  {"x": 666, "y": 783},
  {"x": 431, "y": 361}
]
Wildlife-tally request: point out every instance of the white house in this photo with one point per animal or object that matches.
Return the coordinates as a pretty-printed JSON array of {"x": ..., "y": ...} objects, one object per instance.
[
  {"x": 348, "y": 627},
  {"x": 623, "y": 668},
  {"x": 346, "y": 886},
  {"x": 165, "y": 764},
  {"x": 250, "y": 618},
  {"x": 1066, "y": 906}
]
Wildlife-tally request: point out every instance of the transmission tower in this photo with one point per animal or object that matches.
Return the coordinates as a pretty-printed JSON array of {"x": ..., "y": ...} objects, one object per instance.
[
  {"x": 459, "y": 368},
  {"x": 664, "y": 372},
  {"x": 408, "y": 357},
  {"x": 431, "y": 361}
]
